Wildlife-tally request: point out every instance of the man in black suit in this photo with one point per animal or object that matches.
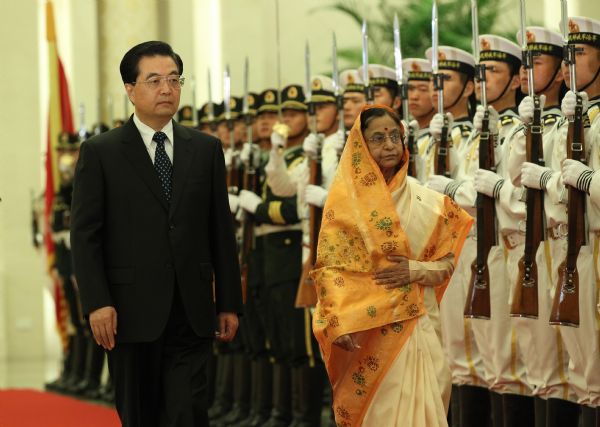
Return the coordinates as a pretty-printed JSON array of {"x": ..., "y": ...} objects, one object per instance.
[{"x": 151, "y": 228}]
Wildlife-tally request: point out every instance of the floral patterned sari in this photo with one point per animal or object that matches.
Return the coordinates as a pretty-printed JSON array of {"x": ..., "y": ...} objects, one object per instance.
[{"x": 360, "y": 229}]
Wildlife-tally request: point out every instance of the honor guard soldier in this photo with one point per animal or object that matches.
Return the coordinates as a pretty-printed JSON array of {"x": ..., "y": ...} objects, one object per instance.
[
  {"x": 354, "y": 96},
  {"x": 470, "y": 397},
  {"x": 420, "y": 105},
  {"x": 287, "y": 327},
  {"x": 581, "y": 338},
  {"x": 385, "y": 85},
  {"x": 75, "y": 354},
  {"x": 546, "y": 361},
  {"x": 254, "y": 320},
  {"x": 458, "y": 69},
  {"x": 504, "y": 371},
  {"x": 205, "y": 124},
  {"x": 185, "y": 116}
]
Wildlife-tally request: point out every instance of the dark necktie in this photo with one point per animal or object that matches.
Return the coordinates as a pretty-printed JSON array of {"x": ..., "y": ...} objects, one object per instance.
[{"x": 162, "y": 164}]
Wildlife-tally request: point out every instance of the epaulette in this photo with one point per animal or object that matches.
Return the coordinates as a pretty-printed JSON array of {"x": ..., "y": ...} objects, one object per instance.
[
  {"x": 507, "y": 119},
  {"x": 550, "y": 119},
  {"x": 293, "y": 153},
  {"x": 465, "y": 130},
  {"x": 593, "y": 111}
]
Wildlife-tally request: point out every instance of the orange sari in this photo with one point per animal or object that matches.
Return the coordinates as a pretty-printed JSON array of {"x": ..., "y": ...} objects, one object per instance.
[{"x": 360, "y": 229}]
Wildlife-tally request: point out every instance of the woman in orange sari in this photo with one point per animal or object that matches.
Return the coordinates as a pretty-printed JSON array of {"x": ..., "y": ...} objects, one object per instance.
[{"x": 387, "y": 249}]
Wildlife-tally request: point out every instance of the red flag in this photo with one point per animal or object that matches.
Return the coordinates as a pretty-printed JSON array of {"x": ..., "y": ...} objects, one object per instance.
[{"x": 60, "y": 119}]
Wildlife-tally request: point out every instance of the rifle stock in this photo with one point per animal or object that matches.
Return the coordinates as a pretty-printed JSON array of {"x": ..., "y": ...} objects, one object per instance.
[
  {"x": 565, "y": 307},
  {"x": 412, "y": 149},
  {"x": 306, "y": 296},
  {"x": 477, "y": 304},
  {"x": 525, "y": 296}
]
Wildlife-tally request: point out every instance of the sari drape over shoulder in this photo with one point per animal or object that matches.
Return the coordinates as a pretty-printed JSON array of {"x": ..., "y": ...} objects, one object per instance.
[{"x": 360, "y": 229}]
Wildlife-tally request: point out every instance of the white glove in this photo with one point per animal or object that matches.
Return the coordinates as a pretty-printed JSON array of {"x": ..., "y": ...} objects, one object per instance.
[
  {"x": 279, "y": 136},
  {"x": 492, "y": 117},
  {"x": 315, "y": 195},
  {"x": 526, "y": 108},
  {"x": 437, "y": 122},
  {"x": 414, "y": 126},
  {"x": 535, "y": 176},
  {"x": 570, "y": 101},
  {"x": 312, "y": 144},
  {"x": 228, "y": 157},
  {"x": 249, "y": 201},
  {"x": 234, "y": 203},
  {"x": 576, "y": 174},
  {"x": 245, "y": 153},
  {"x": 439, "y": 183},
  {"x": 339, "y": 142},
  {"x": 488, "y": 183}
]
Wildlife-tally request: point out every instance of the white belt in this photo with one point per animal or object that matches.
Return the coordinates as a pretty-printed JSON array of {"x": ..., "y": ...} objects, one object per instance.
[{"x": 263, "y": 229}]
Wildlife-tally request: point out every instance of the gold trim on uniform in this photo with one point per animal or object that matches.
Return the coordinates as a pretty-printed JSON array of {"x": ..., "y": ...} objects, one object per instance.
[{"x": 275, "y": 212}]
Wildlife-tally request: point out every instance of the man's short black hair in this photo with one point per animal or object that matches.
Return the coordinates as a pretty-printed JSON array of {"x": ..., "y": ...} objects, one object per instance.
[{"x": 129, "y": 64}]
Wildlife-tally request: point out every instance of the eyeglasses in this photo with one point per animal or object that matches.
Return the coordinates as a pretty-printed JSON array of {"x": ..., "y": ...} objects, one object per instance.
[
  {"x": 175, "y": 82},
  {"x": 379, "y": 138}
]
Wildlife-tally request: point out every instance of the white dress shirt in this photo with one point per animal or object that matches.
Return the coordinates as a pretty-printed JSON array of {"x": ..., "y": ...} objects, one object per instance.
[{"x": 148, "y": 133}]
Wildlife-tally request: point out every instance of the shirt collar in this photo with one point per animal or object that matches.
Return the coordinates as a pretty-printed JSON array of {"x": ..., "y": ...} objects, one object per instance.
[{"x": 147, "y": 132}]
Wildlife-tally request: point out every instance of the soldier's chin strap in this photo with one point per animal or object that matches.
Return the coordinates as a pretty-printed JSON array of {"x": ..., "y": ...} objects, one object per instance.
[
  {"x": 459, "y": 95},
  {"x": 503, "y": 91},
  {"x": 591, "y": 81},
  {"x": 551, "y": 79}
]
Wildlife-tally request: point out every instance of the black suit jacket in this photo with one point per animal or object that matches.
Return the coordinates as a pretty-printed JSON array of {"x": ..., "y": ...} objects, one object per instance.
[{"x": 131, "y": 247}]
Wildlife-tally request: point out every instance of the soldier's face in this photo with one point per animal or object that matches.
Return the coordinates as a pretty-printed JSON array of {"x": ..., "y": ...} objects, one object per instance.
[
  {"x": 296, "y": 120},
  {"x": 155, "y": 103},
  {"x": 353, "y": 103},
  {"x": 453, "y": 88},
  {"x": 223, "y": 133},
  {"x": 382, "y": 95},
  {"x": 419, "y": 100},
  {"x": 498, "y": 77},
  {"x": 544, "y": 74},
  {"x": 587, "y": 61},
  {"x": 239, "y": 131},
  {"x": 326, "y": 116},
  {"x": 264, "y": 123}
]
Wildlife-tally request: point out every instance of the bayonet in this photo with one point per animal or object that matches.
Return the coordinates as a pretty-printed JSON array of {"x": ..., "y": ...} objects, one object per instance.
[
  {"x": 339, "y": 98},
  {"x": 312, "y": 119},
  {"x": 82, "y": 126},
  {"x": 194, "y": 113},
  {"x": 278, "y": 43},
  {"x": 365, "y": 62}
]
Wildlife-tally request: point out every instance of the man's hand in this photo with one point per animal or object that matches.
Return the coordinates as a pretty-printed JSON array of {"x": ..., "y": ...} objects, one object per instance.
[
  {"x": 347, "y": 342},
  {"x": 492, "y": 119},
  {"x": 569, "y": 103},
  {"x": 339, "y": 142},
  {"x": 577, "y": 175},
  {"x": 535, "y": 176},
  {"x": 312, "y": 144},
  {"x": 103, "y": 322},
  {"x": 228, "y": 325},
  {"x": 315, "y": 195},
  {"x": 437, "y": 123},
  {"x": 488, "y": 183},
  {"x": 395, "y": 276},
  {"x": 279, "y": 136},
  {"x": 249, "y": 201},
  {"x": 438, "y": 183},
  {"x": 526, "y": 108}
]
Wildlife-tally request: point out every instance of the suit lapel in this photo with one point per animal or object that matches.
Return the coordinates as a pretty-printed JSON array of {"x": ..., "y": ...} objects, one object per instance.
[
  {"x": 182, "y": 159},
  {"x": 136, "y": 153}
]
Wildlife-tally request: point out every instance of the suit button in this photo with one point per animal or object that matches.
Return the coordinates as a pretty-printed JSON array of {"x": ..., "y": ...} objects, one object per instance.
[
  {"x": 171, "y": 226},
  {"x": 287, "y": 241},
  {"x": 169, "y": 266}
]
